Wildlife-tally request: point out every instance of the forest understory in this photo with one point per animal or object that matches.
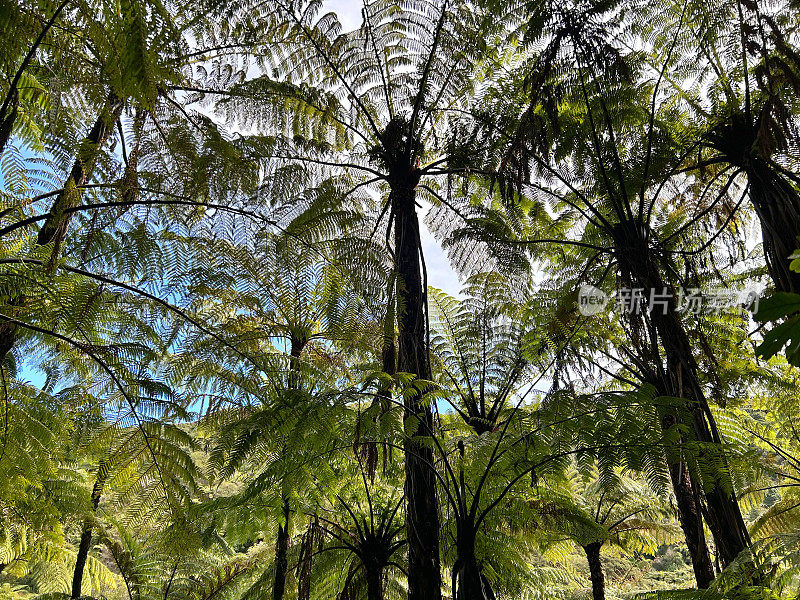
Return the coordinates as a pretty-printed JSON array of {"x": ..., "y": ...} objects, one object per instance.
[{"x": 399, "y": 299}]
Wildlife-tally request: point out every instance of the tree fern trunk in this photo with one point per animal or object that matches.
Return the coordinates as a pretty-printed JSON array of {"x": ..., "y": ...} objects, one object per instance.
[
  {"x": 296, "y": 347},
  {"x": 8, "y": 337},
  {"x": 86, "y": 533},
  {"x": 374, "y": 583},
  {"x": 638, "y": 266},
  {"x": 7, "y": 121},
  {"x": 691, "y": 522},
  {"x": 281, "y": 555},
  {"x": 777, "y": 204},
  {"x": 80, "y": 561},
  {"x": 422, "y": 516},
  {"x": 596, "y": 570},
  {"x": 469, "y": 582},
  {"x": 55, "y": 226},
  {"x": 724, "y": 515},
  {"x": 688, "y": 504},
  {"x": 8, "y": 331}
]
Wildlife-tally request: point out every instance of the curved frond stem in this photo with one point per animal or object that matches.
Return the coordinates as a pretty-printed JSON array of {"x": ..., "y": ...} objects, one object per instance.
[
  {"x": 716, "y": 235},
  {"x": 711, "y": 206},
  {"x": 86, "y": 349},
  {"x": 652, "y": 118},
  {"x": 423, "y": 84},
  {"x": 26, "y": 61},
  {"x": 336, "y": 71}
]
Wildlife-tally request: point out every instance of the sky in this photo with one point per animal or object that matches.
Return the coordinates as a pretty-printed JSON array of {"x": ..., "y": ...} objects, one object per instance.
[
  {"x": 349, "y": 12},
  {"x": 440, "y": 274}
]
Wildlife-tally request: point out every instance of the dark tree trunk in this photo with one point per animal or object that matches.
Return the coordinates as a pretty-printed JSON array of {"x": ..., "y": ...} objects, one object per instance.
[
  {"x": 305, "y": 561},
  {"x": 80, "y": 561},
  {"x": 422, "y": 516},
  {"x": 7, "y": 123},
  {"x": 86, "y": 533},
  {"x": 55, "y": 226},
  {"x": 8, "y": 331},
  {"x": 596, "y": 570},
  {"x": 295, "y": 351},
  {"x": 639, "y": 268},
  {"x": 688, "y": 499},
  {"x": 691, "y": 521},
  {"x": 374, "y": 575},
  {"x": 282, "y": 542},
  {"x": 281, "y": 554},
  {"x": 8, "y": 337},
  {"x": 777, "y": 204},
  {"x": 469, "y": 581}
]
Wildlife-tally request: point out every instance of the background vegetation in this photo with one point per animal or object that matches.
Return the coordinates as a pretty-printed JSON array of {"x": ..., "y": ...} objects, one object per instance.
[{"x": 226, "y": 374}]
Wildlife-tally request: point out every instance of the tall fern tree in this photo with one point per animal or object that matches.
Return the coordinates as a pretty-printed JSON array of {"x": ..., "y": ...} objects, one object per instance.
[
  {"x": 286, "y": 317},
  {"x": 605, "y": 158},
  {"x": 148, "y": 468},
  {"x": 737, "y": 78},
  {"x": 371, "y": 107}
]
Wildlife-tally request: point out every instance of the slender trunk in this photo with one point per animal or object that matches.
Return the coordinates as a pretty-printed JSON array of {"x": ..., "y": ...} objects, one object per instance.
[
  {"x": 638, "y": 266},
  {"x": 8, "y": 337},
  {"x": 469, "y": 581},
  {"x": 686, "y": 494},
  {"x": 281, "y": 554},
  {"x": 282, "y": 541},
  {"x": 777, "y": 204},
  {"x": 55, "y": 226},
  {"x": 691, "y": 521},
  {"x": 689, "y": 513},
  {"x": 596, "y": 570},
  {"x": 86, "y": 533},
  {"x": 7, "y": 121},
  {"x": 296, "y": 347},
  {"x": 374, "y": 582},
  {"x": 422, "y": 516},
  {"x": 80, "y": 561},
  {"x": 306, "y": 558},
  {"x": 8, "y": 331}
]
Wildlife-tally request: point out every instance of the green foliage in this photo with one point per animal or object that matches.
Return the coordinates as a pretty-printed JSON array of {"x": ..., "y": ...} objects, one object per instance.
[{"x": 199, "y": 384}]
